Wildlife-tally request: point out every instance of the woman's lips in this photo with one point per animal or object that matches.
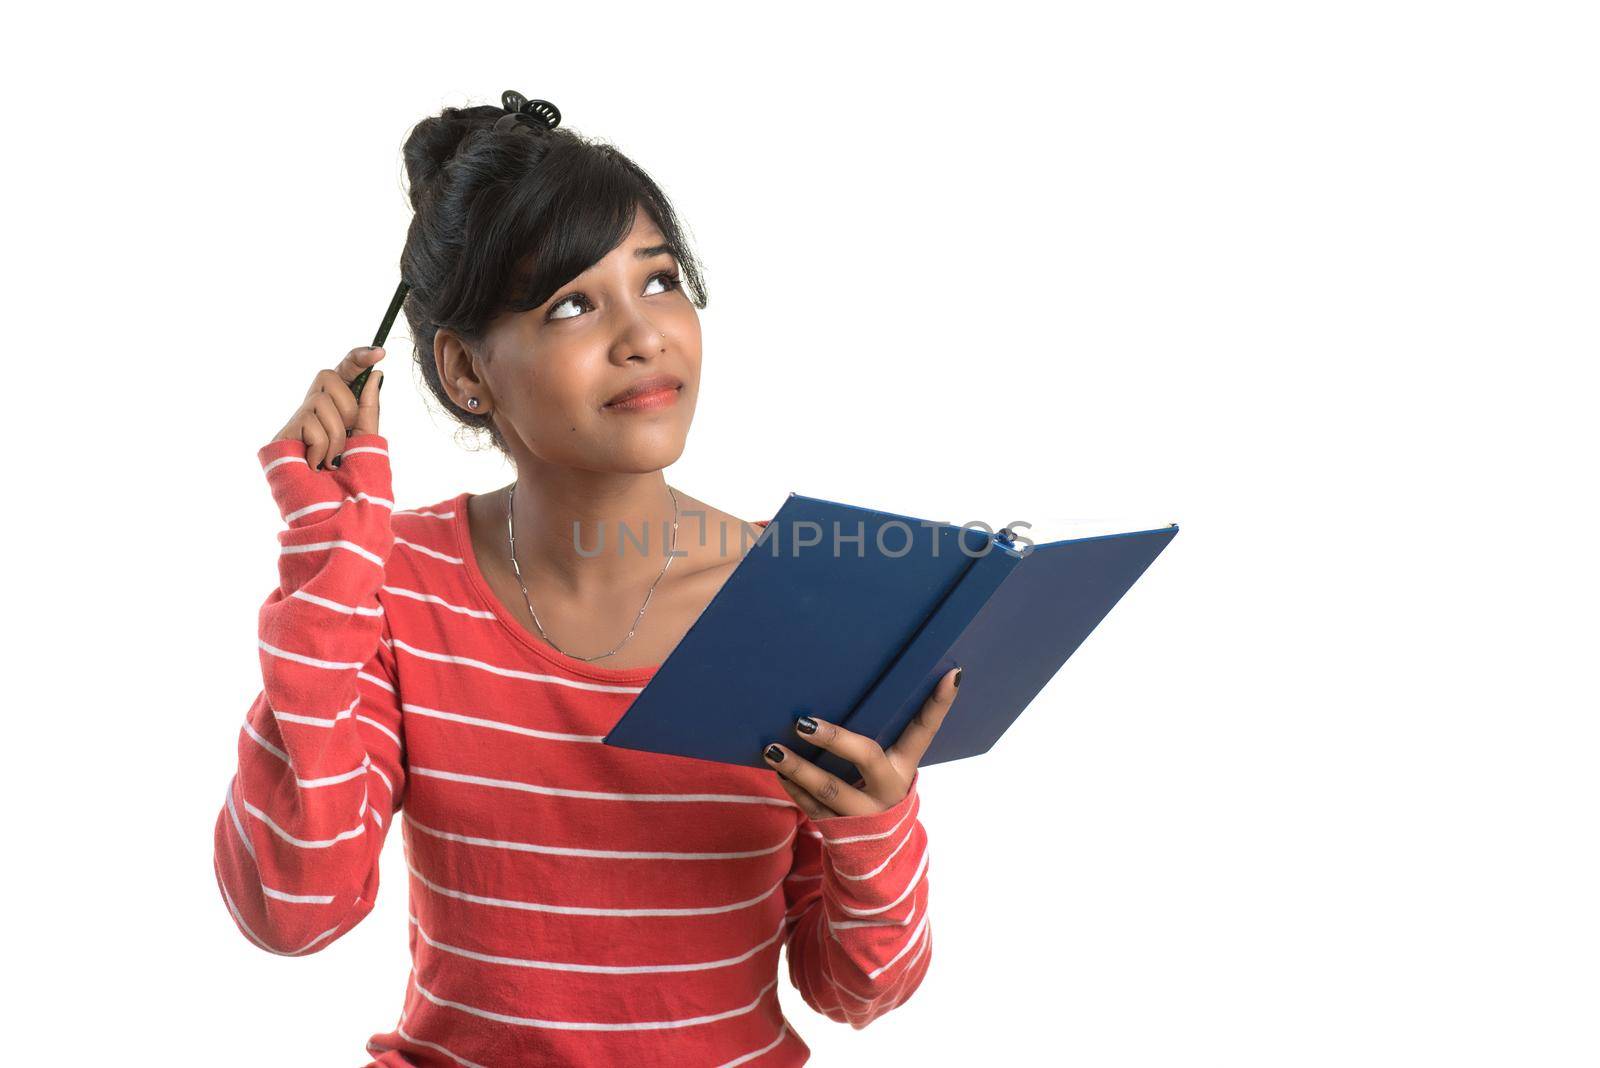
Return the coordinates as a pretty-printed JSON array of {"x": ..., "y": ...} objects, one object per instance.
[{"x": 644, "y": 402}]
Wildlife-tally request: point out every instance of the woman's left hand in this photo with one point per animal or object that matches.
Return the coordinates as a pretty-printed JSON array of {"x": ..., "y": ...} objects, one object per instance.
[{"x": 885, "y": 776}]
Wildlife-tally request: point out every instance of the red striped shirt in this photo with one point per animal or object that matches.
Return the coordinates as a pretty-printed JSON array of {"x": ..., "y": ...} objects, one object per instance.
[{"x": 570, "y": 902}]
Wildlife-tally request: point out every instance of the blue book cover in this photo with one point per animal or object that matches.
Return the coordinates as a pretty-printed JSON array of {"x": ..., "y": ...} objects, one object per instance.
[{"x": 853, "y": 615}]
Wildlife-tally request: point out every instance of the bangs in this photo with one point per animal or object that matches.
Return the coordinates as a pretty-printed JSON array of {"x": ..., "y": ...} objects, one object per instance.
[{"x": 554, "y": 224}]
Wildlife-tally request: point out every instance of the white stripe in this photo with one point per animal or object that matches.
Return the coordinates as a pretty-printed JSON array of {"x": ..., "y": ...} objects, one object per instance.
[
  {"x": 263, "y": 743},
  {"x": 576, "y": 1025},
  {"x": 415, "y": 1041},
  {"x": 600, "y": 795},
  {"x": 912, "y": 811},
  {"x": 333, "y": 780},
  {"x": 916, "y": 877},
  {"x": 903, "y": 980},
  {"x": 843, "y": 924},
  {"x": 300, "y": 458},
  {"x": 598, "y": 969},
  {"x": 347, "y": 609},
  {"x": 323, "y": 721},
  {"x": 303, "y": 843},
  {"x": 238, "y": 825},
  {"x": 294, "y": 899},
  {"x": 378, "y": 726},
  {"x": 827, "y": 971},
  {"x": 316, "y": 721},
  {"x": 834, "y": 928},
  {"x": 320, "y": 506},
  {"x": 583, "y": 910},
  {"x": 880, "y": 867},
  {"x": 423, "y": 549},
  {"x": 257, "y": 938},
  {"x": 496, "y": 725},
  {"x": 424, "y": 512},
  {"x": 915, "y": 939},
  {"x": 446, "y": 658},
  {"x": 601, "y": 854},
  {"x": 383, "y": 683},
  {"x": 337, "y": 543},
  {"x": 927, "y": 941},
  {"x": 477, "y": 613},
  {"x": 266, "y": 468},
  {"x": 389, "y": 785},
  {"x": 311, "y": 661},
  {"x": 330, "y": 780},
  {"x": 753, "y": 1054},
  {"x": 374, "y": 449},
  {"x": 298, "y": 899}
]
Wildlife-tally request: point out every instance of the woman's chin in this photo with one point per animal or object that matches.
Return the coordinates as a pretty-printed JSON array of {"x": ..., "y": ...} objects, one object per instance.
[{"x": 643, "y": 454}]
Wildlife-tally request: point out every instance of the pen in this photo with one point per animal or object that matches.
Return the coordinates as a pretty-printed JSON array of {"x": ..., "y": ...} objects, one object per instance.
[{"x": 360, "y": 381}]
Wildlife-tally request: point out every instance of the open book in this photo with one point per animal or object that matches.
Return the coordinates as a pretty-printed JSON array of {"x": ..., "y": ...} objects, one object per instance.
[{"x": 854, "y": 615}]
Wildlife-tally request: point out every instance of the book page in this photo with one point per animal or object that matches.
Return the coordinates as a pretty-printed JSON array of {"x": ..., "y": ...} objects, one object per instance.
[{"x": 1047, "y": 529}]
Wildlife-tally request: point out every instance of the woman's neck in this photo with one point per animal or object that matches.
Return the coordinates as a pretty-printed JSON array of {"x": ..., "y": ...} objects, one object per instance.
[{"x": 623, "y": 529}]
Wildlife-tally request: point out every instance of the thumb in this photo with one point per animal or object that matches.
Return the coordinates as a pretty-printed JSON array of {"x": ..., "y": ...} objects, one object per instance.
[{"x": 367, "y": 405}]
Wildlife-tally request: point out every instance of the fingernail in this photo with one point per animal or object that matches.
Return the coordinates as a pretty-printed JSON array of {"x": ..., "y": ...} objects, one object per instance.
[
  {"x": 774, "y": 754},
  {"x": 380, "y": 381},
  {"x": 805, "y": 725},
  {"x": 338, "y": 461},
  {"x": 958, "y": 677}
]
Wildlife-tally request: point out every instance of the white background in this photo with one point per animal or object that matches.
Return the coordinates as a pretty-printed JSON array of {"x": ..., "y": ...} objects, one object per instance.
[{"x": 1316, "y": 281}]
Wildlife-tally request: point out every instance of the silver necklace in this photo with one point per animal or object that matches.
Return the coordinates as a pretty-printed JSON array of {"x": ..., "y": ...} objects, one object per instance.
[{"x": 511, "y": 534}]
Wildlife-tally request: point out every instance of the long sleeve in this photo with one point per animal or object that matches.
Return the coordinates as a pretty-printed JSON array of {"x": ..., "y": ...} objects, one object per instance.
[
  {"x": 320, "y": 768},
  {"x": 857, "y": 895}
]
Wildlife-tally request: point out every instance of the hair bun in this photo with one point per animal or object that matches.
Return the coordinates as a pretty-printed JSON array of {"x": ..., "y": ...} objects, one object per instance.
[
  {"x": 435, "y": 141},
  {"x": 432, "y": 144}
]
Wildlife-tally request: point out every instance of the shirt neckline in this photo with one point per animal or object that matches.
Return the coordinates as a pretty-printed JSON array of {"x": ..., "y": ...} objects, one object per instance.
[{"x": 540, "y": 648}]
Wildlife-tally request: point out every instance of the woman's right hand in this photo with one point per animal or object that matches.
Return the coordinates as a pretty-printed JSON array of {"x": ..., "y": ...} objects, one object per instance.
[{"x": 331, "y": 413}]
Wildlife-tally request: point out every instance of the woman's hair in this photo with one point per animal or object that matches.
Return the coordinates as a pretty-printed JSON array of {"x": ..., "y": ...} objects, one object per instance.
[{"x": 502, "y": 220}]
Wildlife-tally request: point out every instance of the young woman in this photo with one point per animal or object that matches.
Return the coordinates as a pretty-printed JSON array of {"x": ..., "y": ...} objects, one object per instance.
[{"x": 454, "y": 667}]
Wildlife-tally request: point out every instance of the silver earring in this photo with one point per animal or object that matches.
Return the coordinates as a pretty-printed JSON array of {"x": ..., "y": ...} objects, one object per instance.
[{"x": 472, "y": 402}]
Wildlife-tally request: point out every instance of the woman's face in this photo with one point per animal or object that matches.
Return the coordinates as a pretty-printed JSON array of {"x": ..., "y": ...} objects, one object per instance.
[{"x": 550, "y": 372}]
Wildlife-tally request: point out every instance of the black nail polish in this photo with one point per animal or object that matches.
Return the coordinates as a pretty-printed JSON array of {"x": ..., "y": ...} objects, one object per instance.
[
  {"x": 381, "y": 377},
  {"x": 805, "y": 725},
  {"x": 957, "y": 681},
  {"x": 775, "y": 754},
  {"x": 338, "y": 461}
]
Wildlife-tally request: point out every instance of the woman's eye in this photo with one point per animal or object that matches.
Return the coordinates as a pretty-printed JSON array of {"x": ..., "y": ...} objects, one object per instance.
[
  {"x": 669, "y": 280},
  {"x": 563, "y": 304}
]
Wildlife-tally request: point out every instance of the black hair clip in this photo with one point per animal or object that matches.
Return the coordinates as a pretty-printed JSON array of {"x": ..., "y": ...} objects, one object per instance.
[{"x": 520, "y": 111}]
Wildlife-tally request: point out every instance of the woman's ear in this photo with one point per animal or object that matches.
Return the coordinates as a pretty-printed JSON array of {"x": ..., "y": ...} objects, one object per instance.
[{"x": 452, "y": 358}]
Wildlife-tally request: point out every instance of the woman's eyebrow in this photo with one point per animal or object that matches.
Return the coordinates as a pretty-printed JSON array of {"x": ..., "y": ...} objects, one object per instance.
[{"x": 653, "y": 250}]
